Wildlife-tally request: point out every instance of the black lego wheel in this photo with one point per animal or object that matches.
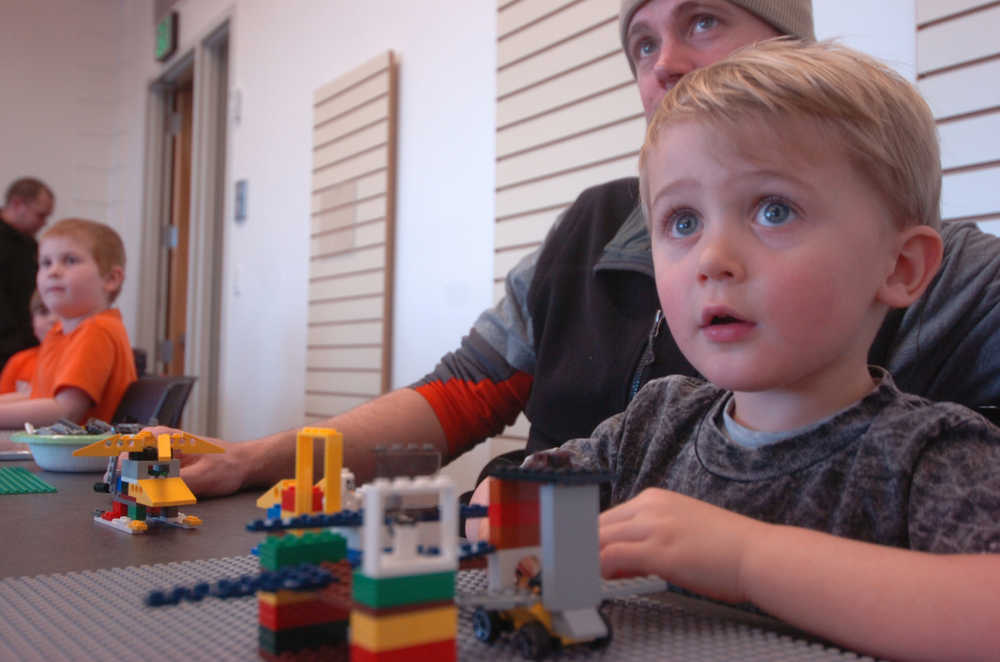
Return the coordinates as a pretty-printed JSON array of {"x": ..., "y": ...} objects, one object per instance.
[
  {"x": 533, "y": 641},
  {"x": 486, "y": 625}
]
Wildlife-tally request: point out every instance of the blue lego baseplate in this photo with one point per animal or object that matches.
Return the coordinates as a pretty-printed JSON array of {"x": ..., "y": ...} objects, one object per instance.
[{"x": 99, "y": 615}]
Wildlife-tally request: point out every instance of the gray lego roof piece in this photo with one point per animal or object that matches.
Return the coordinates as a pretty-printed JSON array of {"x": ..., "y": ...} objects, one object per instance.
[{"x": 99, "y": 615}]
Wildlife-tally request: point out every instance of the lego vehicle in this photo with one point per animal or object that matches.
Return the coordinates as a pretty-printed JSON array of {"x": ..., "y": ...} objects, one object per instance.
[
  {"x": 534, "y": 634},
  {"x": 545, "y": 581}
]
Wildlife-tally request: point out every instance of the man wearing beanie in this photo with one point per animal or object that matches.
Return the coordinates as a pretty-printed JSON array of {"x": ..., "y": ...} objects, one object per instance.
[{"x": 578, "y": 331}]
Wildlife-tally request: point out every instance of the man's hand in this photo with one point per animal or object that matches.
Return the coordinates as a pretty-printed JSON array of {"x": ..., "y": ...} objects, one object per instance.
[
  {"x": 685, "y": 541},
  {"x": 213, "y": 474}
]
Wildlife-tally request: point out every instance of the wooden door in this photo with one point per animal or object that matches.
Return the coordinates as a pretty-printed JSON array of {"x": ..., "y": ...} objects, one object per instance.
[{"x": 179, "y": 231}]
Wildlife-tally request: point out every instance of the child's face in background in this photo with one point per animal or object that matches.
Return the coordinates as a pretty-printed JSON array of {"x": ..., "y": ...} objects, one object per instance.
[
  {"x": 769, "y": 250},
  {"x": 69, "y": 280},
  {"x": 42, "y": 320}
]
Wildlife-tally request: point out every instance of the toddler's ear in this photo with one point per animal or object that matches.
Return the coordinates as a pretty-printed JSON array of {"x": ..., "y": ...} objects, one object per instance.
[
  {"x": 918, "y": 258},
  {"x": 113, "y": 279}
]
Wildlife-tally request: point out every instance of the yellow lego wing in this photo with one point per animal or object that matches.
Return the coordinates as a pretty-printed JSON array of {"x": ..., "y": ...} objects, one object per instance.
[
  {"x": 192, "y": 445},
  {"x": 130, "y": 443},
  {"x": 161, "y": 492},
  {"x": 113, "y": 445}
]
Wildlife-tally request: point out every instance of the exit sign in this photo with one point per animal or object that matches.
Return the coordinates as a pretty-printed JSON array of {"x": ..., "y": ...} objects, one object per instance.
[{"x": 166, "y": 36}]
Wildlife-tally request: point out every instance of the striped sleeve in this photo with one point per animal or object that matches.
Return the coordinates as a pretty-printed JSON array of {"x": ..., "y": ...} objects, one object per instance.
[{"x": 481, "y": 388}]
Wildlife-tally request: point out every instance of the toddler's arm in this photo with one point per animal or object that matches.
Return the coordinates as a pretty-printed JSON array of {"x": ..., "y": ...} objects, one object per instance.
[
  {"x": 70, "y": 403},
  {"x": 880, "y": 600}
]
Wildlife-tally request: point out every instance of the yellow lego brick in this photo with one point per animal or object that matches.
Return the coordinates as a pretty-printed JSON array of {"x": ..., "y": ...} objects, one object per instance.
[
  {"x": 163, "y": 452},
  {"x": 333, "y": 462},
  {"x": 161, "y": 492},
  {"x": 286, "y": 597},
  {"x": 408, "y": 629},
  {"x": 273, "y": 495},
  {"x": 303, "y": 473}
]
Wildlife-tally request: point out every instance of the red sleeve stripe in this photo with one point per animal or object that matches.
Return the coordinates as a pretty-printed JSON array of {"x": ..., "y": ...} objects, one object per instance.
[{"x": 472, "y": 411}]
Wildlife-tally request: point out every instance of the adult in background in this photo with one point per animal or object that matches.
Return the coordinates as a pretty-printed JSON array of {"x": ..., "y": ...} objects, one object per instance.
[
  {"x": 26, "y": 206},
  {"x": 578, "y": 331}
]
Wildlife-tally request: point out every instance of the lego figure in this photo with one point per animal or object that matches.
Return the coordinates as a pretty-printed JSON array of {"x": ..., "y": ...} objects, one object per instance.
[{"x": 148, "y": 489}]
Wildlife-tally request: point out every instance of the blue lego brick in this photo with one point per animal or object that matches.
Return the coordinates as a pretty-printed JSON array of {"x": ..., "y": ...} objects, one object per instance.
[
  {"x": 344, "y": 518},
  {"x": 304, "y": 577}
]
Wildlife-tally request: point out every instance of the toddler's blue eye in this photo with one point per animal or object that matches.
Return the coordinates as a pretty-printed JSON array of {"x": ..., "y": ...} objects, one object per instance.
[
  {"x": 774, "y": 213},
  {"x": 684, "y": 224}
]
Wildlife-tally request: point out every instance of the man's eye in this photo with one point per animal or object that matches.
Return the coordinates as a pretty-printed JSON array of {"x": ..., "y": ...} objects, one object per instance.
[
  {"x": 684, "y": 224},
  {"x": 774, "y": 213},
  {"x": 643, "y": 48},
  {"x": 704, "y": 23}
]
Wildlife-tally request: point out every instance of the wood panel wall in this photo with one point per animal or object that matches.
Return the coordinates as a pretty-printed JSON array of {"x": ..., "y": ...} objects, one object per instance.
[
  {"x": 958, "y": 71},
  {"x": 351, "y": 239},
  {"x": 568, "y": 117}
]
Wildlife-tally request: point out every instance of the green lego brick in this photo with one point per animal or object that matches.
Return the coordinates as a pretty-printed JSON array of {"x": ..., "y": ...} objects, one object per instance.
[
  {"x": 281, "y": 552},
  {"x": 378, "y": 592},
  {"x": 296, "y": 639},
  {"x": 137, "y": 512},
  {"x": 18, "y": 480}
]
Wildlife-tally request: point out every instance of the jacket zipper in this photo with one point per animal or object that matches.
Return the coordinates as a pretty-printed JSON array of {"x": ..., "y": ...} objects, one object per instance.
[{"x": 648, "y": 355}]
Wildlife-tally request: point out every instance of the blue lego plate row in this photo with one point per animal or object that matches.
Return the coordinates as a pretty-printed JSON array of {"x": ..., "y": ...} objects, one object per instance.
[{"x": 54, "y": 452}]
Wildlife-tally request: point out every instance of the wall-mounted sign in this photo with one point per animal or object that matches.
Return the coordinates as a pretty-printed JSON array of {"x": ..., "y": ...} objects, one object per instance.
[{"x": 166, "y": 36}]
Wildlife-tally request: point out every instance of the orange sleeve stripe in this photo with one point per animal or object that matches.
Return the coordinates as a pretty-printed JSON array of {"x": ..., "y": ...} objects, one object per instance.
[{"x": 471, "y": 411}]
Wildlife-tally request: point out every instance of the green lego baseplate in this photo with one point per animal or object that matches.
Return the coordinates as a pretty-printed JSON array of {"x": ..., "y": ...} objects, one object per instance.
[{"x": 18, "y": 480}]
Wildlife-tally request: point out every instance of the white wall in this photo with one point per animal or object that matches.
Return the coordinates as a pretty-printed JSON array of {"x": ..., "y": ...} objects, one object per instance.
[
  {"x": 280, "y": 53},
  {"x": 70, "y": 116},
  {"x": 885, "y": 29}
]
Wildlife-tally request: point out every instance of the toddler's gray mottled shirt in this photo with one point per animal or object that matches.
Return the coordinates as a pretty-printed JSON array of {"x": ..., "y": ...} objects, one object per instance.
[{"x": 894, "y": 469}]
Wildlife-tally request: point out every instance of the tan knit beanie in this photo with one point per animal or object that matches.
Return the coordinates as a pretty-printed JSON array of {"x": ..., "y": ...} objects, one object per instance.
[{"x": 791, "y": 17}]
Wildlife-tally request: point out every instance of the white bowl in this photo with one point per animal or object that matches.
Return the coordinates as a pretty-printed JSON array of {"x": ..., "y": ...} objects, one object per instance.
[{"x": 54, "y": 452}]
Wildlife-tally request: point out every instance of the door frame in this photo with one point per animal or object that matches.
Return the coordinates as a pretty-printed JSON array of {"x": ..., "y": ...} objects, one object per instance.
[{"x": 208, "y": 62}]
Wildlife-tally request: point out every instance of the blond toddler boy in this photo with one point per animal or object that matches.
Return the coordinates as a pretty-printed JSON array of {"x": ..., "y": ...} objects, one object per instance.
[
  {"x": 85, "y": 363},
  {"x": 792, "y": 193}
]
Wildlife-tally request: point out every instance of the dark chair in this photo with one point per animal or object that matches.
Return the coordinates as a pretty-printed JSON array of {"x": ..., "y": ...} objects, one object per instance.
[{"x": 155, "y": 398}]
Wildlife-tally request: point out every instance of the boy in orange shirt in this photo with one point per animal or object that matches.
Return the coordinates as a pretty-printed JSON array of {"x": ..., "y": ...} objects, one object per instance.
[
  {"x": 85, "y": 363},
  {"x": 20, "y": 368}
]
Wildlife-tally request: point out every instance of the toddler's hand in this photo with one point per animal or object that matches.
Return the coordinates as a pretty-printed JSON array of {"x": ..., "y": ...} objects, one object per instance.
[{"x": 685, "y": 541}]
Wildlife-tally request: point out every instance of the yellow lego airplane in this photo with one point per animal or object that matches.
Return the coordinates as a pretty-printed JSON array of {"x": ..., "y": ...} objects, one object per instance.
[{"x": 149, "y": 488}]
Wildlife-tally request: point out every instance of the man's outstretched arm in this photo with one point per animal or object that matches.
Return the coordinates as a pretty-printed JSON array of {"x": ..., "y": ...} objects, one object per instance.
[{"x": 402, "y": 416}]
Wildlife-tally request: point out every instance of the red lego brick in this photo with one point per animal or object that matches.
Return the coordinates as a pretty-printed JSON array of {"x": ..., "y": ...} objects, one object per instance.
[
  {"x": 512, "y": 491},
  {"x": 288, "y": 499},
  {"x": 518, "y": 513},
  {"x": 509, "y": 537},
  {"x": 299, "y": 614},
  {"x": 436, "y": 651}
]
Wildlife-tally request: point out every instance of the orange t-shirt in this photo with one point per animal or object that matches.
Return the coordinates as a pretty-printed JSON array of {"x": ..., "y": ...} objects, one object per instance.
[
  {"x": 19, "y": 368},
  {"x": 95, "y": 358}
]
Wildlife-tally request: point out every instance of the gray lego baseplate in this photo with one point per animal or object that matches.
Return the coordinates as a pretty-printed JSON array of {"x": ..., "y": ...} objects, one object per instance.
[{"x": 100, "y": 615}]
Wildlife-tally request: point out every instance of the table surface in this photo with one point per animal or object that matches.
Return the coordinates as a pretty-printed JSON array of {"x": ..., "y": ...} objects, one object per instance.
[
  {"x": 62, "y": 577},
  {"x": 55, "y": 532}
]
